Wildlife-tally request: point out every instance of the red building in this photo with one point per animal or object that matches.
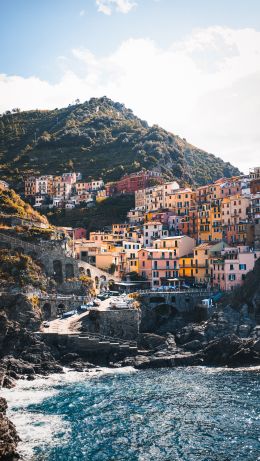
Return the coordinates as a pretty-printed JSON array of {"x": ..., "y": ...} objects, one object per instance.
[
  {"x": 255, "y": 186},
  {"x": 128, "y": 184}
]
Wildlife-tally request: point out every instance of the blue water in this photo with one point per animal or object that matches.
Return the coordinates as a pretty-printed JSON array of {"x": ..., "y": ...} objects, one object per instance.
[{"x": 184, "y": 414}]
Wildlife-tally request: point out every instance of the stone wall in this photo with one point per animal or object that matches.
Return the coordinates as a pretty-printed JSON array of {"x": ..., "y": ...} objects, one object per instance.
[{"x": 118, "y": 323}]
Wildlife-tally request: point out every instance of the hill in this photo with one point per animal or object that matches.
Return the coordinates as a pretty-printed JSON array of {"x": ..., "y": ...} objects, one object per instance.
[
  {"x": 99, "y": 138},
  {"x": 12, "y": 205}
]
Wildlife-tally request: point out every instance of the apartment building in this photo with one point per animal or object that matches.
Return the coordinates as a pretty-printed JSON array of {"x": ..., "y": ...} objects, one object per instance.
[{"x": 230, "y": 268}]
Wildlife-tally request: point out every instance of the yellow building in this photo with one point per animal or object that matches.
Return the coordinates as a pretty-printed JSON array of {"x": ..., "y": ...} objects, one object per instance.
[
  {"x": 180, "y": 201},
  {"x": 202, "y": 258},
  {"x": 210, "y": 221},
  {"x": 186, "y": 267}
]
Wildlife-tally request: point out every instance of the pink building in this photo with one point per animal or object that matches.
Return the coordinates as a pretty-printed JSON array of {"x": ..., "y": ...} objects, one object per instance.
[
  {"x": 230, "y": 269},
  {"x": 157, "y": 265},
  {"x": 161, "y": 263}
]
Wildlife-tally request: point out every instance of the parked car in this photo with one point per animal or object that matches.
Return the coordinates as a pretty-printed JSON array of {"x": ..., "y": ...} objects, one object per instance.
[{"x": 69, "y": 314}]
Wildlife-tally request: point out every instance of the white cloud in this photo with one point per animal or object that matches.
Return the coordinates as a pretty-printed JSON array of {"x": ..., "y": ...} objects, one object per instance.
[
  {"x": 122, "y": 6},
  {"x": 82, "y": 13},
  {"x": 205, "y": 88}
]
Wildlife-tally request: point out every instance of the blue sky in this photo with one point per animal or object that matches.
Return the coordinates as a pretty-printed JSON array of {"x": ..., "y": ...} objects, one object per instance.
[{"x": 192, "y": 66}]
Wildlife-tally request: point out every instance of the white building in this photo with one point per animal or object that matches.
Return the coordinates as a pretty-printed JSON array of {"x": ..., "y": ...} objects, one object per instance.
[{"x": 154, "y": 230}]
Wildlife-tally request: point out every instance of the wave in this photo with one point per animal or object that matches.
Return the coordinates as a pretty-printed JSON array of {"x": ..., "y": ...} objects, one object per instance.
[{"x": 37, "y": 429}]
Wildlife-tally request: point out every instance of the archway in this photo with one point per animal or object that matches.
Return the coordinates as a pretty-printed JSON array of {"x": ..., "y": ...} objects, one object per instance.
[
  {"x": 103, "y": 282},
  {"x": 88, "y": 273},
  {"x": 97, "y": 282},
  {"x": 61, "y": 309},
  {"x": 46, "y": 311},
  {"x": 57, "y": 270}
]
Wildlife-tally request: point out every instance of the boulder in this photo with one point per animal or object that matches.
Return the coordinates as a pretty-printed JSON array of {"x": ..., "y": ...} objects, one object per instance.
[
  {"x": 192, "y": 346},
  {"x": 150, "y": 341}
]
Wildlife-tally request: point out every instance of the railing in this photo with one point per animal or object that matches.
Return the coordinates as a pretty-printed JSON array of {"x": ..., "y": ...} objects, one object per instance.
[{"x": 179, "y": 291}]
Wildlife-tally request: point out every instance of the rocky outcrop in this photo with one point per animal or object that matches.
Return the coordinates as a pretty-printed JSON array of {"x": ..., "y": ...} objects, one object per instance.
[
  {"x": 8, "y": 436},
  {"x": 22, "y": 354}
]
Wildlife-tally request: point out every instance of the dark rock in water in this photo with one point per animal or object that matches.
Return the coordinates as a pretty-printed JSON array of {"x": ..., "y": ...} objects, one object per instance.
[
  {"x": 231, "y": 350},
  {"x": 150, "y": 341},
  {"x": 73, "y": 360},
  {"x": 70, "y": 357},
  {"x": 8, "y": 436}
]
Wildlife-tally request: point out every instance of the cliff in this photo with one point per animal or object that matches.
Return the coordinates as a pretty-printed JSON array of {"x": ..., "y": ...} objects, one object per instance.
[{"x": 22, "y": 354}]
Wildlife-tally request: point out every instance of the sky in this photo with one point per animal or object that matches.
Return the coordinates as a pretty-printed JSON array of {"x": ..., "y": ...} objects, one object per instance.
[{"x": 190, "y": 66}]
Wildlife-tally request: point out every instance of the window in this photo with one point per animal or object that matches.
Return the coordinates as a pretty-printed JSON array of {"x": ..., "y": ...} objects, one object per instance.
[
  {"x": 242, "y": 267},
  {"x": 231, "y": 267},
  {"x": 232, "y": 277}
]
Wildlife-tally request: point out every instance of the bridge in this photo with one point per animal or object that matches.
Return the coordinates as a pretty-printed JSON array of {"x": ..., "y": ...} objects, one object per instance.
[
  {"x": 54, "y": 305},
  {"x": 57, "y": 262},
  {"x": 100, "y": 277},
  {"x": 175, "y": 304}
]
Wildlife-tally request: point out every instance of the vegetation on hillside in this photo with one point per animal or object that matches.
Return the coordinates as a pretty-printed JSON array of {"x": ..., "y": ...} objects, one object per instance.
[
  {"x": 100, "y": 138},
  {"x": 19, "y": 270},
  {"x": 12, "y": 204},
  {"x": 112, "y": 210}
]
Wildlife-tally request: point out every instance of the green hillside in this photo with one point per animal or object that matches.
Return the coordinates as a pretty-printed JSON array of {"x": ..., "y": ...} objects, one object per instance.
[{"x": 99, "y": 138}]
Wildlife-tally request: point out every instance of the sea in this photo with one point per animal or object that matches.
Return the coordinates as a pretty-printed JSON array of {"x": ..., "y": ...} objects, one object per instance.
[{"x": 178, "y": 414}]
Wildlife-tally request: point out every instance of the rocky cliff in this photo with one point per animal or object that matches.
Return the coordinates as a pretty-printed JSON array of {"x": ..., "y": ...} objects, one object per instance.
[
  {"x": 22, "y": 354},
  {"x": 8, "y": 436}
]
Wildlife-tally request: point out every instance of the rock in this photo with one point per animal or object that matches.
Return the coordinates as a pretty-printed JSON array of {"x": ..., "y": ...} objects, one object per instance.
[
  {"x": 176, "y": 360},
  {"x": 190, "y": 333},
  {"x": 231, "y": 350},
  {"x": 150, "y": 341},
  {"x": 256, "y": 346},
  {"x": 70, "y": 357},
  {"x": 8, "y": 436},
  {"x": 192, "y": 346}
]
